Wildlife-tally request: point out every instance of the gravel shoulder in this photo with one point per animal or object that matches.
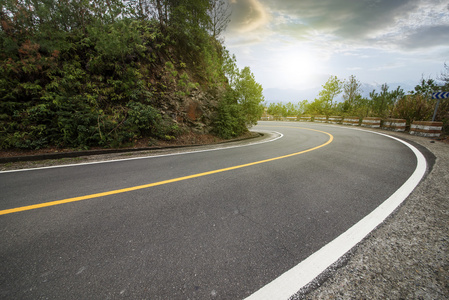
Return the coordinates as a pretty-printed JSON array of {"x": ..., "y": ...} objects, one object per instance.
[{"x": 406, "y": 256}]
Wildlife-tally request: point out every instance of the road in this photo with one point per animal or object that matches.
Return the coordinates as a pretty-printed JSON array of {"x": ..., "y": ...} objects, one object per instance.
[{"x": 184, "y": 231}]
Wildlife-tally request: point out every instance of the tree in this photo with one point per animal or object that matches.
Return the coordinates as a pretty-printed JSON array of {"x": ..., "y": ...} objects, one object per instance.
[
  {"x": 229, "y": 121},
  {"x": 249, "y": 96},
  {"x": 382, "y": 103},
  {"x": 82, "y": 73},
  {"x": 413, "y": 108},
  {"x": 146, "y": 9},
  {"x": 351, "y": 93},
  {"x": 291, "y": 109},
  {"x": 426, "y": 88},
  {"x": 188, "y": 14},
  {"x": 330, "y": 90},
  {"x": 241, "y": 105},
  {"x": 277, "y": 109},
  {"x": 444, "y": 77},
  {"x": 229, "y": 66},
  {"x": 219, "y": 13},
  {"x": 302, "y": 106}
]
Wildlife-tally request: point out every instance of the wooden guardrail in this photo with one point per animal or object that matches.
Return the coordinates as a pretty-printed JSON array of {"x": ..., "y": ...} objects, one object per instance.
[
  {"x": 335, "y": 119},
  {"x": 354, "y": 121},
  {"x": 421, "y": 128},
  {"x": 371, "y": 122},
  {"x": 394, "y": 124},
  {"x": 320, "y": 119},
  {"x": 305, "y": 119},
  {"x": 426, "y": 128}
]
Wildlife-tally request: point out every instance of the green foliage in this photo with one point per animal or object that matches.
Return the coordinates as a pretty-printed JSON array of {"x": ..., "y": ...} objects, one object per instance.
[
  {"x": 249, "y": 96},
  {"x": 146, "y": 120},
  {"x": 241, "y": 106},
  {"x": 230, "y": 121},
  {"x": 413, "y": 108},
  {"x": 352, "y": 94},
  {"x": 89, "y": 92},
  {"x": 182, "y": 81},
  {"x": 325, "y": 102},
  {"x": 284, "y": 110},
  {"x": 383, "y": 102},
  {"x": 420, "y": 106},
  {"x": 277, "y": 110},
  {"x": 229, "y": 67},
  {"x": 95, "y": 73},
  {"x": 416, "y": 106},
  {"x": 443, "y": 115},
  {"x": 379, "y": 104},
  {"x": 426, "y": 88}
]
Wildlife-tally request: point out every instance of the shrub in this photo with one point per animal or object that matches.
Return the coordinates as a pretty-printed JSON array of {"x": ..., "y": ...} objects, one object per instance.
[
  {"x": 413, "y": 108},
  {"x": 230, "y": 120}
]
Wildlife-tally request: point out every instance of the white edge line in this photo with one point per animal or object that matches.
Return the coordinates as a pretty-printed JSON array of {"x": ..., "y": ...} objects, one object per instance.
[
  {"x": 280, "y": 135},
  {"x": 305, "y": 272}
]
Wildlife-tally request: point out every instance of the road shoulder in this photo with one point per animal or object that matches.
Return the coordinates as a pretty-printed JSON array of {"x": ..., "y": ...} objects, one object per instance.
[{"x": 406, "y": 256}]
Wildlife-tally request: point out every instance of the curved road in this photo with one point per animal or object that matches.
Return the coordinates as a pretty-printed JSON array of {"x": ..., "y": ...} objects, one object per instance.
[{"x": 213, "y": 224}]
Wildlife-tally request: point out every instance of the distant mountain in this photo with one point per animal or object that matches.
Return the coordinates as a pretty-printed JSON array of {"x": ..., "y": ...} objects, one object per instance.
[
  {"x": 407, "y": 86},
  {"x": 274, "y": 95}
]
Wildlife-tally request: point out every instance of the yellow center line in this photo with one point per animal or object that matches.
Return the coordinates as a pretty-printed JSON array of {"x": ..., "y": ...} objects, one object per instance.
[{"x": 139, "y": 187}]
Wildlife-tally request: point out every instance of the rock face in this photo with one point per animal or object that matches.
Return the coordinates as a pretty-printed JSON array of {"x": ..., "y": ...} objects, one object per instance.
[
  {"x": 195, "y": 111},
  {"x": 190, "y": 106},
  {"x": 198, "y": 110}
]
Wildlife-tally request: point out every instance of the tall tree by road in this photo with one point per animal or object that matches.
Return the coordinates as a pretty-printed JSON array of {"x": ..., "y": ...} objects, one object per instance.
[
  {"x": 351, "y": 93},
  {"x": 249, "y": 96},
  {"x": 330, "y": 90}
]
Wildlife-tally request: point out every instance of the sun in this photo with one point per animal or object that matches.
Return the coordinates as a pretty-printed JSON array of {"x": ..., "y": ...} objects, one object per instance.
[{"x": 297, "y": 68}]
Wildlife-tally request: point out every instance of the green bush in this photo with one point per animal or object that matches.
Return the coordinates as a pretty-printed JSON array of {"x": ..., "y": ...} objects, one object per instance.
[
  {"x": 98, "y": 76},
  {"x": 413, "y": 108},
  {"x": 230, "y": 120}
]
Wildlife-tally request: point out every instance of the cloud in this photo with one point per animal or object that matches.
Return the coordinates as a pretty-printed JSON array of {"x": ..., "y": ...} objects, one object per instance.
[
  {"x": 342, "y": 17},
  {"x": 247, "y": 16},
  {"x": 389, "y": 66},
  {"x": 382, "y": 23},
  {"x": 428, "y": 36}
]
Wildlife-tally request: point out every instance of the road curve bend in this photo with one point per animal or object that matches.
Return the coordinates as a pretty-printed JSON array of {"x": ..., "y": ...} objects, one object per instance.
[{"x": 236, "y": 222}]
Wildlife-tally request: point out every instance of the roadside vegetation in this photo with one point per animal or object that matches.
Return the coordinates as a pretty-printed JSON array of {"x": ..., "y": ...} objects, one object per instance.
[
  {"x": 415, "y": 105},
  {"x": 86, "y": 73}
]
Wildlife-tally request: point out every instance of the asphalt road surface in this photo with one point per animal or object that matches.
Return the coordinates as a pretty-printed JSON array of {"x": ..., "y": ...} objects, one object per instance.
[{"x": 213, "y": 224}]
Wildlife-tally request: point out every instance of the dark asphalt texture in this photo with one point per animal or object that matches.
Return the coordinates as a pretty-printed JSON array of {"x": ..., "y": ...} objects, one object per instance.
[{"x": 220, "y": 236}]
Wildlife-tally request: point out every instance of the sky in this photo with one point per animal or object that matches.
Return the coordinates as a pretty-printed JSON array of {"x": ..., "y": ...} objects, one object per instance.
[{"x": 299, "y": 44}]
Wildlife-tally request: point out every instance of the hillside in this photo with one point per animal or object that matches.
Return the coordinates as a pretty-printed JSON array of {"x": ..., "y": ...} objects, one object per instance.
[{"x": 92, "y": 74}]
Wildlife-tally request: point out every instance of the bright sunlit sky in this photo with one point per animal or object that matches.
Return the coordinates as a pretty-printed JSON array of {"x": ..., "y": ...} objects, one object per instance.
[{"x": 298, "y": 44}]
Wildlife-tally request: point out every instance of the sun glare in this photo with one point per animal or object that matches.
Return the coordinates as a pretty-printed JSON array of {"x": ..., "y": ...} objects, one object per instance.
[{"x": 297, "y": 69}]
